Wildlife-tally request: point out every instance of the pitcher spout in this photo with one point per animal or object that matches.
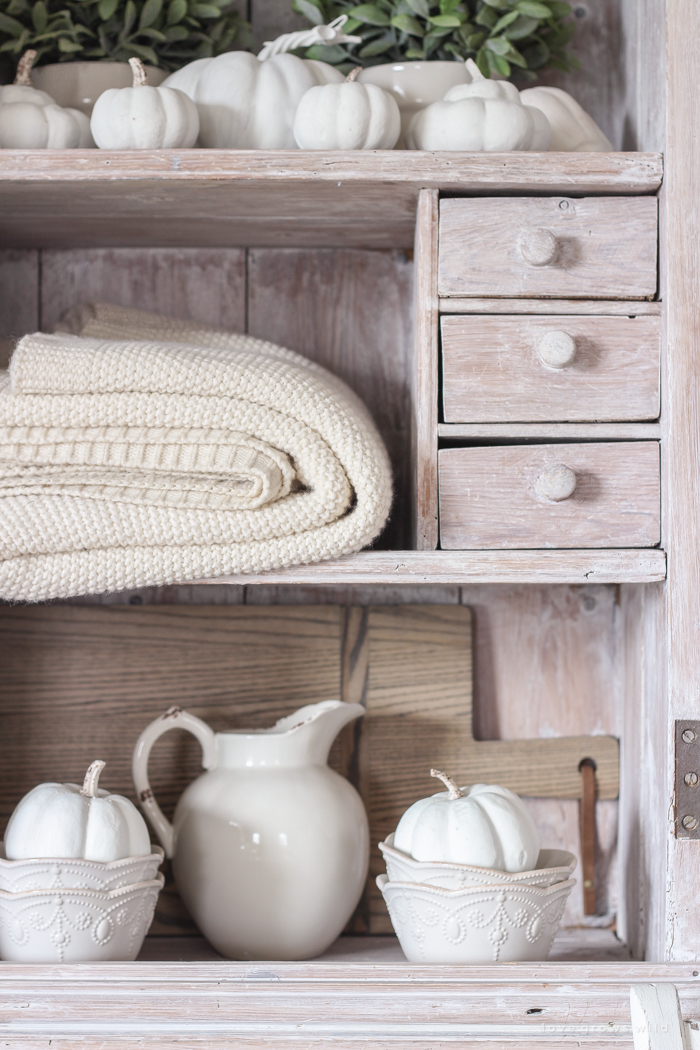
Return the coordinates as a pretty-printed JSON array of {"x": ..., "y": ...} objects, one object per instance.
[{"x": 313, "y": 728}]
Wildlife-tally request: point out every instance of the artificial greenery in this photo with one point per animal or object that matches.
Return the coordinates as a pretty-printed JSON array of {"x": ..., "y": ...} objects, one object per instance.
[
  {"x": 504, "y": 37},
  {"x": 166, "y": 33}
]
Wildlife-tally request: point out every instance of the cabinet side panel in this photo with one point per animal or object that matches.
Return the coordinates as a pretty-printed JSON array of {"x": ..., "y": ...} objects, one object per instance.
[
  {"x": 424, "y": 397},
  {"x": 19, "y": 298}
]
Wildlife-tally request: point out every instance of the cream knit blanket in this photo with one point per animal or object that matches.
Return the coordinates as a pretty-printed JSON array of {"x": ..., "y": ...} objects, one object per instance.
[{"x": 138, "y": 450}]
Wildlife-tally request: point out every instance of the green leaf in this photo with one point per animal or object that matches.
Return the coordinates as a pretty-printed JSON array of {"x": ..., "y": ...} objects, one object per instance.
[
  {"x": 174, "y": 33},
  {"x": 330, "y": 53},
  {"x": 371, "y": 14},
  {"x": 408, "y": 24},
  {"x": 177, "y": 9},
  {"x": 498, "y": 45},
  {"x": 499, "y": 5},
  {"x": 448, "y": 7},
  {"x": 68, "y": 46},
  {"x": 149, "y": 12},
  {"x": 10, "y": 25},
  {"x": 498, "y": 65},
  {"x": 475, "y": 41},
  {"x": 420, "y": 7},
  {"x": 533, "y": 8},
  {"x": 153, "y": 34},
  {"x": 129, "y": 19},
  {"x": 310, "y": 10},
  {"x": 39, "y": 16},
  {"x": 143, "y": 52},
  {"x": 559, "y": 9},
  {"x": 522, "y": 28},
  {"x": 537, "y": 55},
  {"x": 486, "y": 17},
  {"x": 378, "y": 47},
  {"x": 413, "y": 54},
  {"x": 504, "y": 21},
  {"x": 516, "y": 59},
  {"x": 351, "y": 25},
  {"x": 106, "y": 9},
  {"x": 203, "y": 10},
  {"x": 446, "y": 21}
]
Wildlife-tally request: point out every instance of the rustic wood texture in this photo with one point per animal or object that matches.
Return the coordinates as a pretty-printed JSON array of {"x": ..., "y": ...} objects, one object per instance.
[
  {"x": 643, "y": 29},
  {"x": 225, "y": 198},
  {"x": 605, "y": 249},
  {"x": 520, "y": 432},
  {"x": 350, "y": 312},
  {"x": 424, "y": 377},
  {"x": 492, "y": 371},
  {"x": 19, "y": 298},
  {"x": 575, "y": 307},
  {"x": 489, "y": 497}
]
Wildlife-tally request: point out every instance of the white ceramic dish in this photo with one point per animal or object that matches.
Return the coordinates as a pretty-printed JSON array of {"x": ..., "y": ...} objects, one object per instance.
[
  {"x": 67, "y": 925},
  {"x": 480, "y": 924},
  {"x": 21, "y": 876},
  {"x": 553, "y": 865}
]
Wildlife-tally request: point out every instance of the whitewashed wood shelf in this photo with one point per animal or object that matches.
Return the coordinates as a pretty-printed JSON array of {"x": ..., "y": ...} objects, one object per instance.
[
  {"x": 357, "y": 994},
  {"x": 241, "y": 198}
]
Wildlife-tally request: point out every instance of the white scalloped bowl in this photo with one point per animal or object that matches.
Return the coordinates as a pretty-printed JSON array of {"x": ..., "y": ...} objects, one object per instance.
[
  {"x": 56, "y": 873},
  {"x": 479, "y": 924},
  {"x": 553, "y": 866},
  {"x": 69, "y": 925}
]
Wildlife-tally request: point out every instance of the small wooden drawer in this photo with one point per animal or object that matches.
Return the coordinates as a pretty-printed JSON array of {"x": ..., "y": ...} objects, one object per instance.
[
  {"x": 592, "y": 248},
  {"x": 550, "y": 369},
  {"x": 515, "y": 497}
]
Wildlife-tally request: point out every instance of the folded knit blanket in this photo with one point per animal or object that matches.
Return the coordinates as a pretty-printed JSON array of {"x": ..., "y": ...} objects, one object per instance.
[{"x": 138, "y": 450}]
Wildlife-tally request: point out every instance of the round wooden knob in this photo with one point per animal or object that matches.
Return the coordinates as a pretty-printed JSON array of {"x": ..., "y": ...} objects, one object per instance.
[
  {"x": 557, "y": 349},
  {"x": 556, "y": 482},
  {"x": 537, "y": 246}
]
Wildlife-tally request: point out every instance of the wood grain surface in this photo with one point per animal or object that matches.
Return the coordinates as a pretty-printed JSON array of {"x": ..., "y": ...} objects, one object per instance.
[
  {"x": 489, "y": 497},
  {"x": 606, "y": 249},
  {"x": 492, "y": 371},
  {"x": 424, "y": 377},
  {"x": 457, "y": 304}
]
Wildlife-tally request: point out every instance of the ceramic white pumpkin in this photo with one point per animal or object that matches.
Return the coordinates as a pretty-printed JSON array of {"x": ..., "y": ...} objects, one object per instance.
[
  {"x": 347, "y": 116},
  {"x": 67, "y": 821},
  {"x": 485, "y": 825},
  {"x": 572, "y": 128},
  {"x": 143, "y": 117},
  {"x": 486, "y": 115},
  {"x": 30, "y": 119},
  {"x": 246, "y": 102}
]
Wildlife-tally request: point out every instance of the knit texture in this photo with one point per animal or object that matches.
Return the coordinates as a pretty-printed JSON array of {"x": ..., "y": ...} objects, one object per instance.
[{"x": 138, "y": 450}]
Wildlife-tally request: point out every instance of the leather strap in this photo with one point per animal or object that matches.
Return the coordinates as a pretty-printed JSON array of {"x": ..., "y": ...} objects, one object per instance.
[{"x": 588, "y": 793}]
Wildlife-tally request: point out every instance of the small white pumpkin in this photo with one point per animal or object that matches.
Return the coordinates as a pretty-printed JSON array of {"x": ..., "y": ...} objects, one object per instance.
[
  {"x": 486, "y": 115},
  {"x": 143, "y": 117},
  {"x": 246, "y": 102},
  {"x": 31, "y": 119},
  {"x": 63, "y": 820},
  {"x": 347, "y": 116},
  {"x": 572, "y": 128},
  {"x": 485, "y": 825}
]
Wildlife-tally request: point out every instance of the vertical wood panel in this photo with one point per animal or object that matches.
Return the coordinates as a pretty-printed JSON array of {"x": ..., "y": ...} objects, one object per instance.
[
  {"x": 644, "y": 64},
  {"x": 206, "y": 285},
  {"x": 350, "y": 311},
  {"x": 424, "y": 380},
  {"x": 19, "y": 298}
]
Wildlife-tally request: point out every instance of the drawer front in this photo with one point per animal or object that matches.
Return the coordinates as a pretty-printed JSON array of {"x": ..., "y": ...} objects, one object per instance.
[
  {"x": 597, "y": 247},
  {"x": 550, "y": 369},
  {"x": 515, "y": 497}
]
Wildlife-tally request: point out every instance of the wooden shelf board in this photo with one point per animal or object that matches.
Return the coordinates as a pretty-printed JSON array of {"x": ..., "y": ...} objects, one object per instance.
[
  {"x": 272, "y": 198},
  {"x": 462, "y": 567},
  {"x": 519, "y": 432},
  {"x": 571, "y": 307},
  {"x": 357, "y": 993}
]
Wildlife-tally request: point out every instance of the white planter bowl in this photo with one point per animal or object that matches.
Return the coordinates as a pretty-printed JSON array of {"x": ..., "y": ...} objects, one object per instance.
[
  {"x": 553, "y": 865},
  {"x": 19, "y": 876},
  {"x": 415, "y": 85},
  {"x": 63, "y": 926},
  {"x": 481, "y": 924}
]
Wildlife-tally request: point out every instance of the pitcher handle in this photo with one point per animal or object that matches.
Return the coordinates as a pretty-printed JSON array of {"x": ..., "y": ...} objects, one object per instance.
[{"x": 174, "y": 718}]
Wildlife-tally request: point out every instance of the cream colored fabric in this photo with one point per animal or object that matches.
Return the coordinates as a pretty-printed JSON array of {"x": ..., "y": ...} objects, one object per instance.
[{"x": 139, "y": 450}]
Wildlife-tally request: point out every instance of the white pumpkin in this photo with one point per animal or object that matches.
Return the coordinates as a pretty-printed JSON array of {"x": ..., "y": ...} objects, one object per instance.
[
  {"x": 63, "y": 820},
  {"x": 572, "y": 128},
  {"x": 143, "y": 117},
  {"x": 485, "y": 825},
  {"x": 31, "y": 119},
  {"x": 246, "y": 103},
  {"x": 347, "y": 116},
  {"x": 486, "y": 115}
]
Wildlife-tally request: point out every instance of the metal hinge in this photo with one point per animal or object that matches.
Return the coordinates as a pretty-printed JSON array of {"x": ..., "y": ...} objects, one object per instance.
[{"x": 688, "y": 778}]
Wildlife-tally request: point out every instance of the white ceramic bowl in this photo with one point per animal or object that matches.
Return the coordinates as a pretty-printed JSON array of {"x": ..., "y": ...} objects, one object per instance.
[
  {"x": 59, "y": 926},
  {"x": 553, "y": 865},
  {"x": 19, "y": 876},
  {"x": 480, "y": 924}
]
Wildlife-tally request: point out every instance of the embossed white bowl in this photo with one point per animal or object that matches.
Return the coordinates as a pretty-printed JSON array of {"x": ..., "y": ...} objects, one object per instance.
[
  {"x": 19, "y": 876},
  {"x": 67, "y": 925},
  {"x": 480, "y": 924},
  {"x": 553, "y": 865}
]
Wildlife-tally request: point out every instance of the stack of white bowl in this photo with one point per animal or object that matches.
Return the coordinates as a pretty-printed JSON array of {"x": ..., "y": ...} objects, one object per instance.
[
  {"x": 60, "y": 910},
  {"x": 458, "y": 913}
]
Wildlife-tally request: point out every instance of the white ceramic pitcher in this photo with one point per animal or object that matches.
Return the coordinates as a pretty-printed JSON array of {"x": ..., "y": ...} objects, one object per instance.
[{"x": 270, "y": 846}]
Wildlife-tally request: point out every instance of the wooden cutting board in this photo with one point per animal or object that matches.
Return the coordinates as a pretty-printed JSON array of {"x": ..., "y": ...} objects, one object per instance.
[{"x": 78, "y": 683}]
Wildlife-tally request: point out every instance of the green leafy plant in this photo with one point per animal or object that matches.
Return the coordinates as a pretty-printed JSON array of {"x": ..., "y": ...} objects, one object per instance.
[
  {"x": 166, "y": 33},
  {"x": 504, "y": 37}
]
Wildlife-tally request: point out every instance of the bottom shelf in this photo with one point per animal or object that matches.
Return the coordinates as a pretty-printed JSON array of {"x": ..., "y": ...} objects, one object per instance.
[
  {"x": 570, "y": 945},
  {"x": 180, "y": 996}
]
